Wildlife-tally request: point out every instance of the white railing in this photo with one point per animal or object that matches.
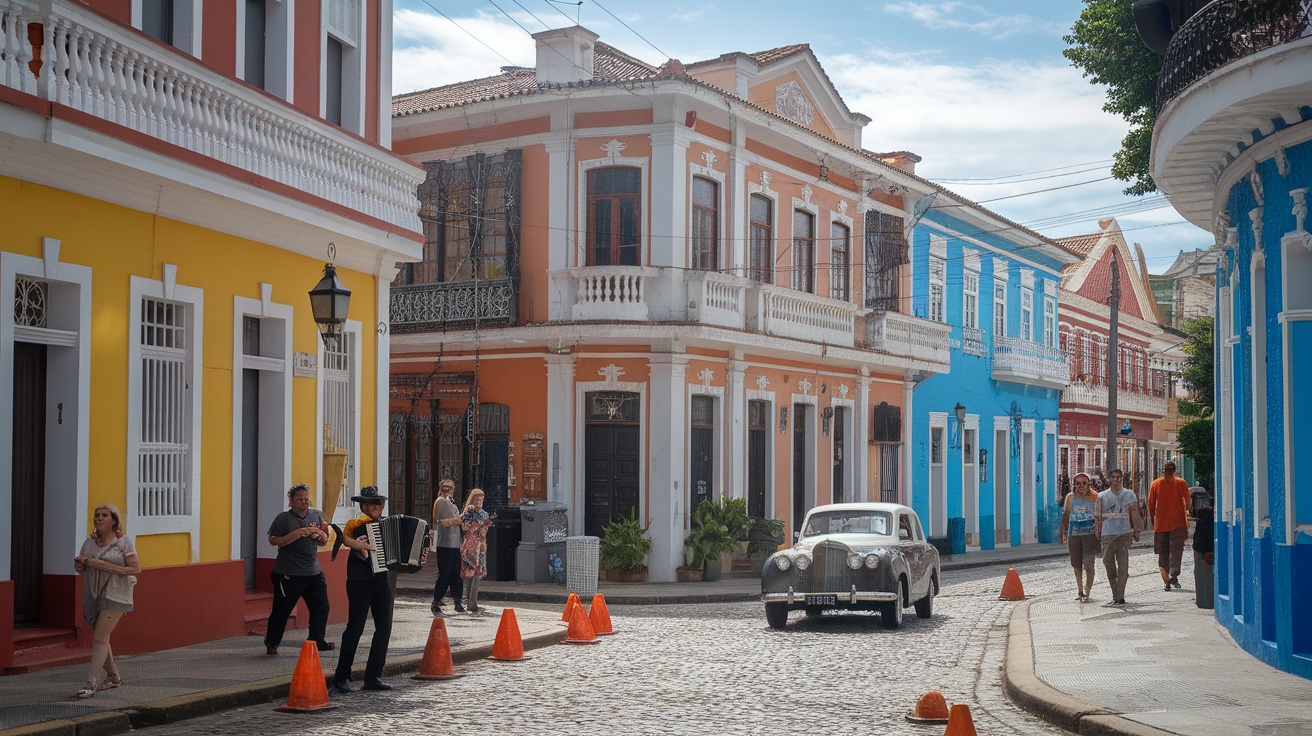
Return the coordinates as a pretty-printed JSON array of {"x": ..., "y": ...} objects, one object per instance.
[
  {"x": 716, "y": 299},
  {"x": 1095, "y": 395},
  {"x": 803, "y": 316},
  {"x": 605, "y": 293},
  {"x": 912, "y": 337},
  {"x": 972, "y": 341},
  {"x": 101, "y": 69},
  {"x": 1023, "y": 361}
]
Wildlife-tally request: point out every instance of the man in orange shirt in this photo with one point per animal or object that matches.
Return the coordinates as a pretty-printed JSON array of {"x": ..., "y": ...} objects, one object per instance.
[{"x": 1168, "y": 504}]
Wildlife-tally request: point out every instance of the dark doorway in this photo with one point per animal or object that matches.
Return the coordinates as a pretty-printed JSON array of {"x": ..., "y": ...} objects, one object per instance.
[
  {"x": 701, "y": 485},
  {"x": 800, "y": 473},
  {"x": 758, "y": 435},
  {"x": 492, "y": 455},
  {"x": 250, "y": 470},
  {"x": 840, "y": 455},
  {"x": 611, "y": 443},
  {"x": 29, "y": 464}
]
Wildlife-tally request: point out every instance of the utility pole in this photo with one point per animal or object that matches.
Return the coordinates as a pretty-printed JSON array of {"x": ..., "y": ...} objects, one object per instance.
[{"x": 1113, "y": 352}]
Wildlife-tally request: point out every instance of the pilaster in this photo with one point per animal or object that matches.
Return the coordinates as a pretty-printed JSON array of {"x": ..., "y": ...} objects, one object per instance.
[
  {"x": 666, "y": 467},
  {"x": 735, "y": 409},
  {"x": 560, "y": 431},
  {"x": 668, "y": 225}
]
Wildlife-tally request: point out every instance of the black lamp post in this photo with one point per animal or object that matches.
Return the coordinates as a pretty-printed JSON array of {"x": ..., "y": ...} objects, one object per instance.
[
  {"x": 960, "y": 411},
  {"x": 329, "y": 301}
]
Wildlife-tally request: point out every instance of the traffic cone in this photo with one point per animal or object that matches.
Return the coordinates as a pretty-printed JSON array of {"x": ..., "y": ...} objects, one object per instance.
[
  {"x": 1012, "y": 590},
  {"x": 599, "y": 616},
  {"x": 437, "y": 664},
  {"x": 932, "y": 707},
  {"x": 580, "y": 629},
  {"x": 309, "y": 690},
  {"x": 509, "y": 645},
  {"x": 570, "y": 602},
  {"x": 959, "y": 721}
]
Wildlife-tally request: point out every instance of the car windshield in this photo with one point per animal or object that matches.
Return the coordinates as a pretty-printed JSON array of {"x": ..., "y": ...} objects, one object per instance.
[{"x": 848, "y": 522}]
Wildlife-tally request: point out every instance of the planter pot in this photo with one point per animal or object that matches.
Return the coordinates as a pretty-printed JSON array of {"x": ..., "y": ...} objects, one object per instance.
[
  {"x": 713, "y": 568},
  {"x": 758, "y": 564},
  {"x": 688, "y": 574},
  {"x": 635, "y": 575}
]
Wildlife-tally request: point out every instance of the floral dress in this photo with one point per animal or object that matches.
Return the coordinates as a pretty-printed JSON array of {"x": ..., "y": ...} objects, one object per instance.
[{"x": 473, "y": 549}]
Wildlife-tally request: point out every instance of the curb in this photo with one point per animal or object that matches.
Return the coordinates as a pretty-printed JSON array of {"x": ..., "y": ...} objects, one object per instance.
[
  {"x": 209, "y": 702},
  {"x": 1025, "y": 689},
  {"x": 612, "y": 599}
]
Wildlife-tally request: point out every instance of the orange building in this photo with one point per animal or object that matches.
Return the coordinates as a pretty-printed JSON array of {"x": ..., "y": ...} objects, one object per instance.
[{"x": 645, "y": 287}]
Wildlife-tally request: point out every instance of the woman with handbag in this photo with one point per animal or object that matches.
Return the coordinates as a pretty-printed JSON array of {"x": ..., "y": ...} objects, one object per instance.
[{"x": 109, "y": 565}]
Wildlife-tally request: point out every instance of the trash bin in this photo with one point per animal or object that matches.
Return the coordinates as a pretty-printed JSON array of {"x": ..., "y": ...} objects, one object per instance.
[
  {"x": 1204, "y": 548},
  {"x": 957, "y": 536},
  {"x": 541, "y": 550},
  {"x": 502, "y": 539},
  {"x": 941, "y": 544},
  {"x": 581, "y": 565}
]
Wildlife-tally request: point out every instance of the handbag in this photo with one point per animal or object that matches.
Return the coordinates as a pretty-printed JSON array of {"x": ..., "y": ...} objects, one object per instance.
[{"x": 119, "y": 589}]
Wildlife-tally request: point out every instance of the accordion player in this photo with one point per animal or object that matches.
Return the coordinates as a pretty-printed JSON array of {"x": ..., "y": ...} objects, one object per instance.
[{"x": 399, "y": 543}]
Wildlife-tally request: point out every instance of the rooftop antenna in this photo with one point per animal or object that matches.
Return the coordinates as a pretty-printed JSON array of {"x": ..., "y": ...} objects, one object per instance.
[{"x": 577, "y": 8}]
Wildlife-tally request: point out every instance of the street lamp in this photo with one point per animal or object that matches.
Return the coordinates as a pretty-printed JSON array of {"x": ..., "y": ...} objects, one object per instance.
[
  {"x": 960, "y": 411},
  {"x": 329, "y": 301}
]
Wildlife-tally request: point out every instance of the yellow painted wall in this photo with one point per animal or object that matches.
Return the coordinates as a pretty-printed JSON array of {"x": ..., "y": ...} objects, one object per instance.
[{"x": 118, "y": 243}]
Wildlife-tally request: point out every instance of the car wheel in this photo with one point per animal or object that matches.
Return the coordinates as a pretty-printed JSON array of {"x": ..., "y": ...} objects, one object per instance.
[
  {"x": 925, "y": 606},
  {"x": 890, "y": 616},
  {"x": 776, "y": 615},
  {"x": 812, "y": 611}
]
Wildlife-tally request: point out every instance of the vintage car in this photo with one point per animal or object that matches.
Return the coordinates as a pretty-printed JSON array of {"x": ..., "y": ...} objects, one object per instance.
[{"x": 853, "y": 557}]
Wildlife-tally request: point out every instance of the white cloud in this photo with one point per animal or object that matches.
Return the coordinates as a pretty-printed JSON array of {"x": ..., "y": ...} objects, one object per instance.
[
  {"x": 961, "y": 16},
  {"x": 692, "y": 15},
  {"x": 431, "y": 51}
]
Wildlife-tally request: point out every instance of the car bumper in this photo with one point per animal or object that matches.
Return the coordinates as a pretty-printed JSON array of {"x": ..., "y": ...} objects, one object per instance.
[{"x": 793, "y": 597}]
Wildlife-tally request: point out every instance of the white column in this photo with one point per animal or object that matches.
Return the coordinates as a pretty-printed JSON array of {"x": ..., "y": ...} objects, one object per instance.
[
  {"x": 668, "y": 225},
  {"x": 665, "y": 490},
  {"x": 861, "y": 447},
  {"x": 382, "y": 376},
  {"x": 560, "y": 433},
  {"x": 735, "y": 410},
  {"x": 908, "y": 389},
  {"x": 559, "y": 245},
  {"x": 738, "y": 207}
]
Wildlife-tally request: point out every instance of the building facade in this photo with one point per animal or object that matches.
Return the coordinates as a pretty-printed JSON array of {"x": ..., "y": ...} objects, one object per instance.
[
  {"x": 174, "y": 177},
  {"x": 644, "y": 287},
  {"x": 984, "y": 441},
  {"x": 1231, "y": 149}
]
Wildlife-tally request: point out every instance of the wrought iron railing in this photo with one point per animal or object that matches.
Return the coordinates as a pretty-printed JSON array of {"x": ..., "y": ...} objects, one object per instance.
[
  {"x": 1225, "y": 31},
  {"x": 972, "y": 341},
  {"x": 434, "y": 307}
]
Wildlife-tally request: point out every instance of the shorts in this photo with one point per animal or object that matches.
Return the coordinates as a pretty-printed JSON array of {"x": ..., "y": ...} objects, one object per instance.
[
  {"x": 1169, "y": 547},
  {"x": 1084, "y": 550}
]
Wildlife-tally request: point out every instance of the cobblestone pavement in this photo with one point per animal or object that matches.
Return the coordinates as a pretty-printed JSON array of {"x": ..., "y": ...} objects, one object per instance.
[{"x": 715, "y": 669}]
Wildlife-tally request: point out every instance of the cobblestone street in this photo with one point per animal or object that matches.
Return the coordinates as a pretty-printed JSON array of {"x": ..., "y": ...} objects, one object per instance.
[{"x": 717, "y": 669}]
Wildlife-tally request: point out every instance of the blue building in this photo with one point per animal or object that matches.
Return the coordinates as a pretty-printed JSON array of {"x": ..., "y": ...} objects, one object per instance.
[
  {"x": 1232, "y": 148},
  {"x": 984, "y": 436}
]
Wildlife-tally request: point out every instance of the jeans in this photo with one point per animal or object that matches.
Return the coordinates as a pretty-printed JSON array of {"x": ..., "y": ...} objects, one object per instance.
[
  {"x": 448, "y": 575},
  {"x": 287, "y": 589},
  {"x": 1116, "y": 558}
]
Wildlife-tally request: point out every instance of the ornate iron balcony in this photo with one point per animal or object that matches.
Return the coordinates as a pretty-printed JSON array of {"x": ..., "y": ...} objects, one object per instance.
[{"x": 435, "y": 307}]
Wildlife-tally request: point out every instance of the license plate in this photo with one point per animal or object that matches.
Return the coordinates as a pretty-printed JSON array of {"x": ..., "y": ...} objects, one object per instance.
[{"x": 821, "y": 600}]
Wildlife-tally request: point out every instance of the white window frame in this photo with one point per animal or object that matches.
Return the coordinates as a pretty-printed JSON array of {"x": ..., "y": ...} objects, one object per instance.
[
  {"x": 187, "y": 16},
  {"x": 354, "y": 55},
  {"x": 848, "y": 269},
  {"x": 803, "y": 205},
  {"x": 970, "y": 299},
  {"x": 279, "y": 16},
  {"x": 1049, "y": 321},
  {"x": 352, "y": 331},
  {"x": 937, "y": 490},
  {"x": 723, "y": 245},
  {"x": 645, "y": 256},
  {"x": 999, "y": 306},
  {"x": 720, "y": 489},
  {"x": 193, "y": 299},
  {"x": 1027, "y": 314},
  {"x": 938, "y": 247}
]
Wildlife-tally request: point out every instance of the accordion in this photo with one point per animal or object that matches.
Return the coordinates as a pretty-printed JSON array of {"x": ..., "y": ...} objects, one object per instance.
[{"x": 399, "y": 543}]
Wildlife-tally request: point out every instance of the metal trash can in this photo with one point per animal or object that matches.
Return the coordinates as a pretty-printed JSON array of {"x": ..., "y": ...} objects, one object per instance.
[
  {"x": 582, "y": 565},
  {"x": 502, "y": 539},
  {"x": 541, "y": 543}
]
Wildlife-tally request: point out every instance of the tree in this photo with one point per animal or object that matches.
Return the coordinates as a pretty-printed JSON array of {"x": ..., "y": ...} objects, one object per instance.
[
  {"x": 1105, "y": 44},
  {"x": 1196, "y": 438}
]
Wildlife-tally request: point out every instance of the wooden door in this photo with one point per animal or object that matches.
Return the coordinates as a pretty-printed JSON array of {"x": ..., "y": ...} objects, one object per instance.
[
  {"x": 29, "y": 463},
  {"x": 611, "y": 482},
  {"x": 758, "y": 434},
  {"x": 702, "y": 446},
  {"x": 840, "y": 458},
  {"x": 799, "y": 465}
]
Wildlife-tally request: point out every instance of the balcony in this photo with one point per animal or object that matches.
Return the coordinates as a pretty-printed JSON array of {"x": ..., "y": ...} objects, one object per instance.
[
  {"x": 1094, "y": 396},
  {"x": 115, "y": 75},
  {"x": 435, "y": 307},
  {"x": 912, "y": 337},
  {"x": 972, "y": 341},
  {"x": 1021, "y": 361},
  {"x": 655, "y": 294}
]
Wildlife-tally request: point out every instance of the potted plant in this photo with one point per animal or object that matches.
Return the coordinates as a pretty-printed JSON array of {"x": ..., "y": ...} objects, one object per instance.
[
  {"x": 715, "y": 531},
  {"x": 763, "y": 539},
  {"x": 623, "y": 548}
]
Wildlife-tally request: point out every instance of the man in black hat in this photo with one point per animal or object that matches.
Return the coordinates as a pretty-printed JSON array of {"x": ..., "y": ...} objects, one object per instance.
[{"x": 366, "y": 592}]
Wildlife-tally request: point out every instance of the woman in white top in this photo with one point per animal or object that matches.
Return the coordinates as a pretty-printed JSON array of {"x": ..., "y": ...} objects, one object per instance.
[{"x": 108, "y": 563}]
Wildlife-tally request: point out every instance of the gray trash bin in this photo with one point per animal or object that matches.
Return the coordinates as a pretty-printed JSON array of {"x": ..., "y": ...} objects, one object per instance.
[{"x": 581, "y": 565}]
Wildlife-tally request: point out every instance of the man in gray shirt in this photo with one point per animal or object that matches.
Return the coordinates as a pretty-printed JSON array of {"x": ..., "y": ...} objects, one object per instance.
[
  {"x": 298, "y": 533},
  {"x": 446, "y": 545},
  {"x": 1120, "y": 524}
]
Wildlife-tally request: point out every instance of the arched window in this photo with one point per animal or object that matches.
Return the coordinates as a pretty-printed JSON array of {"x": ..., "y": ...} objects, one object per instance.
[{"x": 760, "y": 254}]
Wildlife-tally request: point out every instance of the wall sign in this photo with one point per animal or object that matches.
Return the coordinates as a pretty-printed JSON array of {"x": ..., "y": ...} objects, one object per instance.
[
  {"x": 983, "y": 466},
  {"x": 305, "y": 365}
]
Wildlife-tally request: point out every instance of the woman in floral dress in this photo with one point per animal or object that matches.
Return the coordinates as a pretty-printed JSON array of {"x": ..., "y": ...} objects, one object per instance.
[{"x": 474, "y": 522}]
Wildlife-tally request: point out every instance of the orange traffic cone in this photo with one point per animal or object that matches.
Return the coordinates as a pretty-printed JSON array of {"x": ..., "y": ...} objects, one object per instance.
[
  {"x": 580, "y": 629},
  {"x": 509, "y": 645},
  {"x": 309, "y": 688},
  {"x": 599, "y": 616},
  {"x": 570, "y": 602},
  {"x": 931, "y": 708},
  {"x": 1012, "y": 590},
  {"x": 959, "y": 721},
  {"x": 437, "y": 664}
]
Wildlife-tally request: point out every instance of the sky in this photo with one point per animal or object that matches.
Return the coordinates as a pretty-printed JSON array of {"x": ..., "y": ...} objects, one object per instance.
[{"x": 980, "y": 90}]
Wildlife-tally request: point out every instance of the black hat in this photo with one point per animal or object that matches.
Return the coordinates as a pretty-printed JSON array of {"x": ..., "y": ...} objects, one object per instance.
[{"x": 369, "y": 494}]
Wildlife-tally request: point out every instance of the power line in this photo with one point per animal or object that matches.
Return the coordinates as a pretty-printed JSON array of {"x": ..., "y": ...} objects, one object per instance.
[
  {"x": 556, "y": 3},
  {"x": 1027, "y": 173},
  {"x": 471, "y": 35},
  {"x": 1041, "y": 191},
  {"x": 530, "y": 12},
  {"x": 990, "y": 183},
  {"x": 626, "y": 25}
]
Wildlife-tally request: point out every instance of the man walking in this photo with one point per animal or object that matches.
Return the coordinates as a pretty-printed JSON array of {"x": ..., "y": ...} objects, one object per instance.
[
  {"x": 1120, "y": 525},
  {"x": 298, "y": 533},
  {"x": 1168, "y": 505},
  {"x": 446, "y": 545}
]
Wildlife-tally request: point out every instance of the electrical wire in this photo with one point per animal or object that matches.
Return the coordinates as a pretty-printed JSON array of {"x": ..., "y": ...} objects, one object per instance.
[
  {"x": 984, "y": 183},
  {"x": 470, "y": 34},
  {"x": 626, "y": 25},
  {"x": 959, "y": 180}
]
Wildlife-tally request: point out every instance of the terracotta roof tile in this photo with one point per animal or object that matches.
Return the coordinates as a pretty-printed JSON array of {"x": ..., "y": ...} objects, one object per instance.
[
  {"x": 770, "y": 56},
  {"x": 1080, "y": 245}
]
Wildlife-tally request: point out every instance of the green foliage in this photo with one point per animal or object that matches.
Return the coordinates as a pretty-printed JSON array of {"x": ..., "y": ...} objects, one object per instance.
[
  {"x": 764, "y": 537},
  {"x": 624, "y": 544},
  {"x": 1104, "y": 43},
  {"x": 1196, "y": 440},
  {"x": 1197, "y": 374},
  {"x": 716, "y": 529}
]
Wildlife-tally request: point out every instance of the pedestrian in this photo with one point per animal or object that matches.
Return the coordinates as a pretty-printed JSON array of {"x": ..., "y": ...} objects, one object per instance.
[
  {"x": 1079, "y": 531},
  {"x": 474, "y": 522},
  {"x": 298, "y": 533},
  {"x": 367, "y": 593},
  {"x": 1121, "y": 523},
  {"x": 446, "y": 547},
  {"x": 109, "y": 566},
  {"x": 1168, "y": 506}
]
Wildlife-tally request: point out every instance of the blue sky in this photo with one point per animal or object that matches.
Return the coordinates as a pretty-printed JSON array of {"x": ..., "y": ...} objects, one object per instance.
[{"x": 979, "y": 90}]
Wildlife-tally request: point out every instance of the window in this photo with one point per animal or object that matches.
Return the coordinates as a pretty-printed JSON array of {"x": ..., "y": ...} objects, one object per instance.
[
  {"x": 343, "y": 70},
  {"x": 937, "y": 312},
  {"x": 804, "y": 251},
  {"x": 157, "y": 19},
  {"x": 174, "y": 22},
  {"x": 1086, "y": 355},
  {"x": 1049, "y": 321},
  {"x": 1026, "y": 314},
  {"x": 255, "y": 42},
  {"x": 760, "y": 256},
  {"x": 164, "y": 443},
  {"x": 840, "y": 249},
  {"x": 614, "y": 216},
  {"x": 339, "y": 415},
  {"x": 332, "y": 94},
  {"x": 970, "y": 300},
  {"x": 705, "y": 224},
  {"x": 886, "y": 252},
  {"x": 1100, "y": 365},
  {"x": 477, "y": 189},
  {"x": 1000, "y": 310}
]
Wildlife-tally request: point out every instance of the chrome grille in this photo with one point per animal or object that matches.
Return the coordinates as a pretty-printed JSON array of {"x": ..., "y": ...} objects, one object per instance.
[{"x": 828, "y": 571}]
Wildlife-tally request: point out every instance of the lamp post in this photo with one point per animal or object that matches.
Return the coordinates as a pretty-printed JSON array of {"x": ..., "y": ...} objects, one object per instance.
[
  {"x": 960, "y": 412},
  {"x": 329, "y": 301}
]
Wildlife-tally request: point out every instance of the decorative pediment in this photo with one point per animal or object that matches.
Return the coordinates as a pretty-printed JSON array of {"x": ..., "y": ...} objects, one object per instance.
[{"x": 791, "y": 102}]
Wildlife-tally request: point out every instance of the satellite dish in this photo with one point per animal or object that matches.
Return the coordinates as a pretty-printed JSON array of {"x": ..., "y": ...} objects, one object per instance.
[{"x": 918, "y": 212}]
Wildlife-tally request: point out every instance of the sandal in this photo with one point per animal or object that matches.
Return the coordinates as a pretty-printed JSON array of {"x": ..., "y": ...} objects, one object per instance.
[
  {"x": 110, "y": 682},
  {"x": 88, "y": 689}
]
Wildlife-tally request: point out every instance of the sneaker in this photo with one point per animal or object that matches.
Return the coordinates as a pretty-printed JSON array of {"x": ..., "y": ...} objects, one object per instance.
[
  {"x": 460, "y": 608},
  {"x": 1175, "y": 581}
]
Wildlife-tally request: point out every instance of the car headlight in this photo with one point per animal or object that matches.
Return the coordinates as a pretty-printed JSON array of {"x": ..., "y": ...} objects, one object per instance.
[
  {"x": 872, "y": 560},
  {"x": 854, "y": 561},
  {"x": 802, "y": 562},
  {"x": 782, "y": 562}
]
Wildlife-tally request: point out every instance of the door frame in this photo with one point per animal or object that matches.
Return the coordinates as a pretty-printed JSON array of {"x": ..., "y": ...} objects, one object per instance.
[
  {"x": 719, "y": 466},
  {"x": 583, "y": 515},
  {"x": 578, "y": 498}
]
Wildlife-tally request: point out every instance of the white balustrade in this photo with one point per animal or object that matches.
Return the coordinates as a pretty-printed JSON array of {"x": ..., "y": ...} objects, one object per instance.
[
  {"x": 1023, "y": 361},
  {"x": 911, "y": 337},
  {"x": 1095, "y": 395},
  {"x": 99, "y": 68},
  {"x": 716, "y": 299},
  {"x": 803, "y": 316},
  {"x": 607, "y": 292}
]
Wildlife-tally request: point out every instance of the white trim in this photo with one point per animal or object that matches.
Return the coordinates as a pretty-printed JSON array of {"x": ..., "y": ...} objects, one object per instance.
[
  {"x": 723, "y": 247},
  {"x": 719, "y": 444},
  {"x": 970, "y": 476},
  {"x": 1257, "y": 385},
  {"x": 938, "y": 499},
  {"x": 382, "y": 372},
  {"x": 773, "y": 197},
  {"x": 278, "y": 49},
  {"x": 1225, "y": 407},
  {"x": 1002, "y": 479},
  {"x": 1296, "y": 306},
  {"x": 646, "y": 195}
]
